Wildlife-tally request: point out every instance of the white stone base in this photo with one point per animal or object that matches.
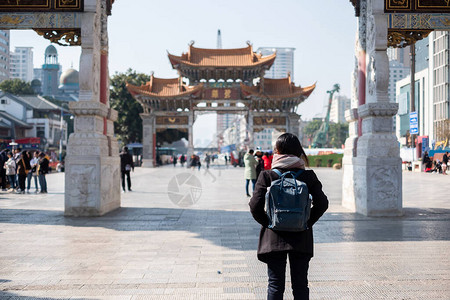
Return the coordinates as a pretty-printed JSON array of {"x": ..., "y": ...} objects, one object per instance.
[
  {"x": 147, "y": 163},
  {"x": 348, "y": 189},
  {"x": 378, "y": 186},
  {"x": 92, "y": 180}
]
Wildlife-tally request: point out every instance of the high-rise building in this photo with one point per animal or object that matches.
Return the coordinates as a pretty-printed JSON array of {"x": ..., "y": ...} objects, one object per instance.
[
  {"x": 21, "y": 64},
  {"x": 224, "y": 121},
  {"x": 440, "y": 64},
  {"x": 339, "y": 105},
  {"x": 4, "y": 55},
  {"x": 397, "y": 71},
  {"x": 284, "y": 63},
  {"x": 432, "y": 89},
  {"x": 401, "y": 55}
]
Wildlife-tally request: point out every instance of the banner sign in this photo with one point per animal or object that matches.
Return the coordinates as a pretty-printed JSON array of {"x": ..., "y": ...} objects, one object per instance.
[{"x": 413, "y": 123}]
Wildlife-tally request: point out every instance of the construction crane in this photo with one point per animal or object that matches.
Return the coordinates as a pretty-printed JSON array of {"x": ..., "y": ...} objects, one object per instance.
[{"x": 321, "y": 136}]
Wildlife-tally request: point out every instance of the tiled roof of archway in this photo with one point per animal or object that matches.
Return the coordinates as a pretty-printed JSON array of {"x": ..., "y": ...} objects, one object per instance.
[
  {"x": 163, "y": 87},
  {"x": 278, "y": 88},
  {"x": 239, "y": 57}
]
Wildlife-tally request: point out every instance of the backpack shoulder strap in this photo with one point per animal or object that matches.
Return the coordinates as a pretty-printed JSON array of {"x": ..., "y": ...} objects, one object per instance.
[
  {"x": 277, "y": 171},
  {"x": 298, "y": 173}
]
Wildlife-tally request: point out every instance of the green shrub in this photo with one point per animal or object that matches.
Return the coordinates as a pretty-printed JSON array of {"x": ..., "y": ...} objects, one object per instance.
[{"x": 325, "y": 160}]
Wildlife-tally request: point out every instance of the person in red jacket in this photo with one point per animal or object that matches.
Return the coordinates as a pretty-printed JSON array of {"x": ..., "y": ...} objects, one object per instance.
[
  {"x": 267, "y": 161},
  {"x": 275, "y": 246}
]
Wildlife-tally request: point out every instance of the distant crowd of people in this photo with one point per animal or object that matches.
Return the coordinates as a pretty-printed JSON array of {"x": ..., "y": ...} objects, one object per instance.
[
  {"x": 255, "y": 163},
  {"x": 436, "y": 165},
  {"x": 20, "y": 168}
]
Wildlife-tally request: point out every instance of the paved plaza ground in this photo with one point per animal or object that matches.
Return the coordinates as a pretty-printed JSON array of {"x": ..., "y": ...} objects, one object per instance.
[{"x": 157, "y": 247}]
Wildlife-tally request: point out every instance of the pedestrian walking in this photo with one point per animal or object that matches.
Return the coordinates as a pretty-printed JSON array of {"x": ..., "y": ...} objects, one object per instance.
[
  {"x": 42, "y": 170},
  {"x": 182, "y": 160},
  {"x": 250, "y": 164},
  {"x": 445, "y": 163},
  {"x": 260, "y": 165},
  {"x": 3, "y": 159},
  {"x": 126, "y": 165},
  {"x": 10, "y": 170},
  {"x": 16, "y": 153},
  {"x": 207, "y": 160},
  {"x": 23, "y": 167},
  {"x": 193, "y": 162},
  {"x": 174, "y": 161},
  {"x": 275, "y": 246},
  {"x": 33, "y": 172}
]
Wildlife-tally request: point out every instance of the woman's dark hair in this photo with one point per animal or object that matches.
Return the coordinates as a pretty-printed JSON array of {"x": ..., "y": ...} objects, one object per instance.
[{"x": 288, "y": 143}]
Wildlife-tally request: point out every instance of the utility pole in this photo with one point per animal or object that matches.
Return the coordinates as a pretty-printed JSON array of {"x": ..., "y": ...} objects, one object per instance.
[{"x": 412, "y": 99}]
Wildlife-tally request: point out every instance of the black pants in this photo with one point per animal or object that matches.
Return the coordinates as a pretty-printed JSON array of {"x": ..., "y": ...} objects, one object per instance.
[
  {"x": 128, "y": 180},
  {"x": 22, "y": 178},
  {"x": 3, "y": 176},
  {"x": 277, "y": 275}
]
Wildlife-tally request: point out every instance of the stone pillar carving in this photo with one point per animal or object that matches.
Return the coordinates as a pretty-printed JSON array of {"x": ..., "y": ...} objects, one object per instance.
[
  {"x": 250, "y": 132},
  {"x": 351, "y": 115},
  {"x": 191, "y": 120},
  {"x": 148, "y": 140},
  {"x": 377, "y": 165},
  {"x": 92, "y": 182},
  {"x": 293, "y": 125},
  {"x": 348, "y": 183}
]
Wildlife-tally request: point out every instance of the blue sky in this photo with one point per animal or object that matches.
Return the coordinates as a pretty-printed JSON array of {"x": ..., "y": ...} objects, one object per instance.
[{"x": 141, "y": 32}]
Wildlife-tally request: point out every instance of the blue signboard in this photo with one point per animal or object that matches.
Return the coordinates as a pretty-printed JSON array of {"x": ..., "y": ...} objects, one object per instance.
[{"x": 413, "y": 123}]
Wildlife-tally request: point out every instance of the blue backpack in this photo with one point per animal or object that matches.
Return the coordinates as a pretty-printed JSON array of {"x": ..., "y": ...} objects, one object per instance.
[{"x": 288, "y": 203}]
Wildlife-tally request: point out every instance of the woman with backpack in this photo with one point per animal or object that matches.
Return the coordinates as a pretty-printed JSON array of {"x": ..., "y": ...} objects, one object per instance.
[{"x": 275, "y": 246}]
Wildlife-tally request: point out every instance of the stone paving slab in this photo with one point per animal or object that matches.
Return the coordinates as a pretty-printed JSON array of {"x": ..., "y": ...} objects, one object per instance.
[{"x": 152, "y": 248}]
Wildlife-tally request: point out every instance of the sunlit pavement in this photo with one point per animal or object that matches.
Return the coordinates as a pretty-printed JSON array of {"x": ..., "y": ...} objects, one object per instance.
[{"x": 158, "y": 247}]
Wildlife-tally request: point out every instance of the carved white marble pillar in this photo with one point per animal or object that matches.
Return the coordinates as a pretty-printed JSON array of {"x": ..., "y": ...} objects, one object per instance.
[
  {"x": 348, "y": 182},
  {"x": 148, "y": 140},
  {"x": 351, "y": 115},
  {"x": 250, "y": 132},
  {"x": 191, "y": 120},
  {"x": 293, "y": 125},
  {"x": 377, "y": 165},
  {"x": 92, "y": 182}
]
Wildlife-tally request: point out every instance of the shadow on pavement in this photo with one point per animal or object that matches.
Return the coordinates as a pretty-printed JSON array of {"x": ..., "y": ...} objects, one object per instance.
[{"x": 237, "y": 229}]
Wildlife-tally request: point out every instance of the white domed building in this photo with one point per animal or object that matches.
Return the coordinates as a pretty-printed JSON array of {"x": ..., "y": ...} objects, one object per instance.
[{"x": 69, "y": 85}]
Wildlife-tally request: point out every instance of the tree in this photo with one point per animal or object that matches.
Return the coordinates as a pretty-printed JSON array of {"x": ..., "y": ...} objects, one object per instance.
[
  {"x": 16, "y": 87},
  {"x": 128, "y": 126},
  {"x": 311, "y": 128},
  {"x": 442, "y": 130},
  {"x": 337, "y": 135}
]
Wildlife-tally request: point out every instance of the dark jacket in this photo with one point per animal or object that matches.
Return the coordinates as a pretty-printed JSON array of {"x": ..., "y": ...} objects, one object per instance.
[
  {"x": 125, "y": 159},
  {"x": 275, "y": 241},
  {"x": 43, "y": 165},
  {"x": 23, "y": 166}
]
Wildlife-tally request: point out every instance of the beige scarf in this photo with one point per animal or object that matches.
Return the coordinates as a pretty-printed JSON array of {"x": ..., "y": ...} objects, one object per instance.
[{"x": 287, "y": 161}]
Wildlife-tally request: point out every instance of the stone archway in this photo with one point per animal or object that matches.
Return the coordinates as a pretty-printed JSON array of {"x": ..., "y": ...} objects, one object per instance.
[
  {"x": 372, "y": 165},
  {"x": 92, "y": 179}
]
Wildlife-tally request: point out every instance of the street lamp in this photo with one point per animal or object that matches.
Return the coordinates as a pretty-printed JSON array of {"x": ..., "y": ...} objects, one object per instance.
[{"x": 13, "y": 145}]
